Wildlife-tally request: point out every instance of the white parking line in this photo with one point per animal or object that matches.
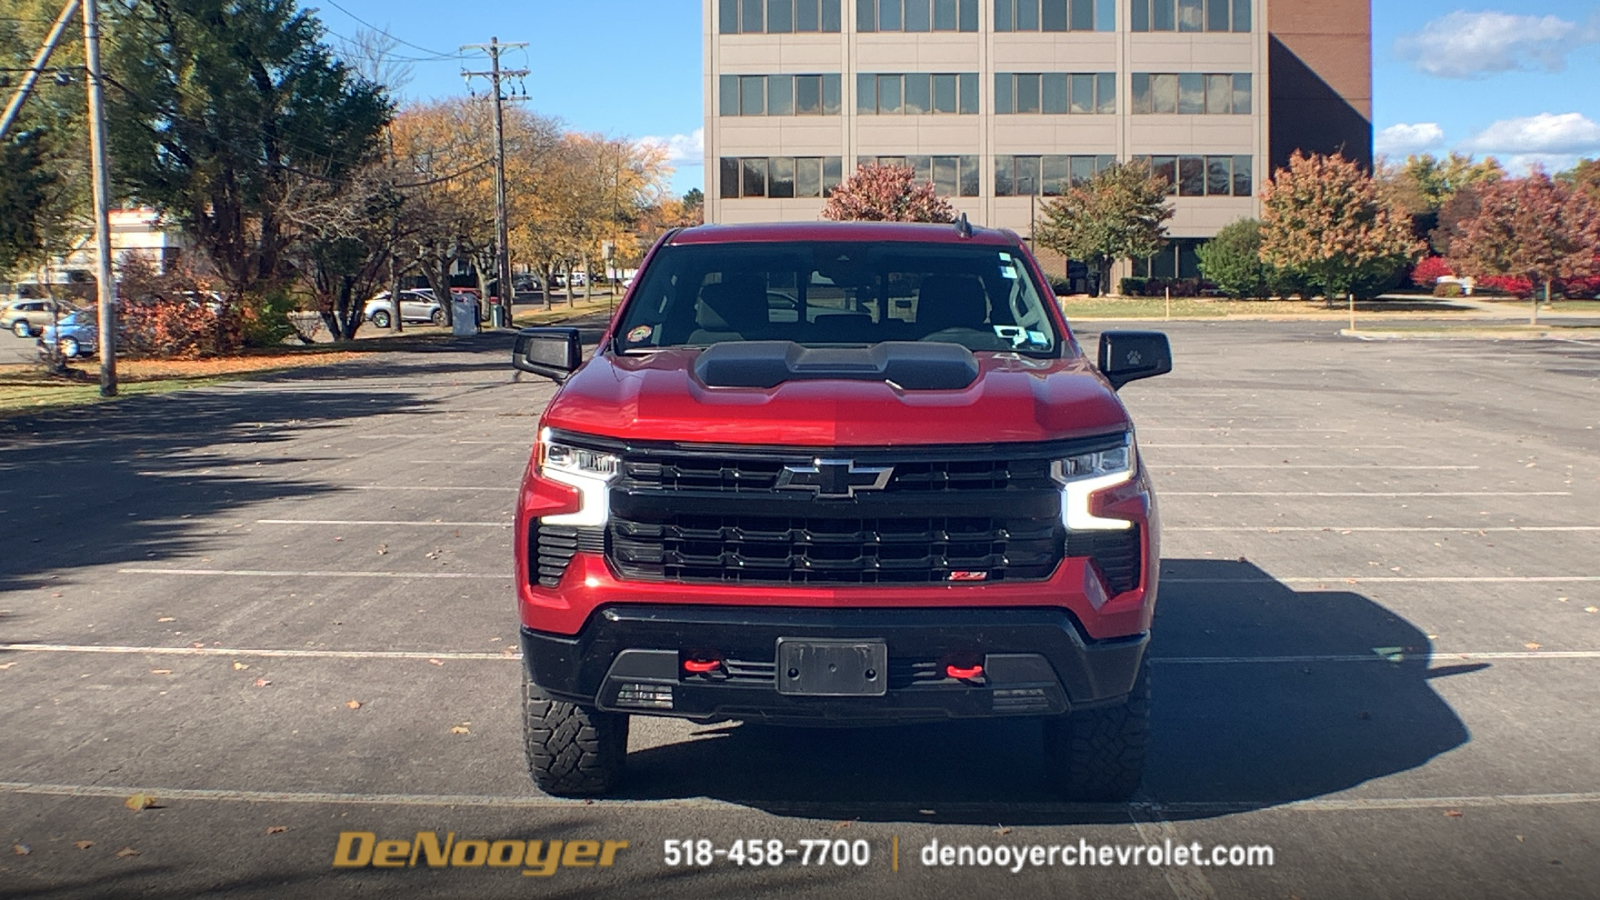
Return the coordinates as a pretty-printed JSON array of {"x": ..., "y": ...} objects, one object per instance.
[
  {"x": 423, "y": 487},
  {"x": 382, "y": 522},
  {"x": 1288, "y": 466},
  {"x": 1352, "y": 804},
  {"x": 1266, "y": 446},
  {"x": 1364, "y": 493},
  {"x": 1394, "y": 579},
  {"x": 273, "y": 573},
  {"x": 470, "y": 656},
  {"x": 1273, "y": 529}
]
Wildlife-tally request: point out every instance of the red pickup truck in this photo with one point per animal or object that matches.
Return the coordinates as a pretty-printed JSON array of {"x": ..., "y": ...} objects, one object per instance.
[{"x": 832, "y": 474}]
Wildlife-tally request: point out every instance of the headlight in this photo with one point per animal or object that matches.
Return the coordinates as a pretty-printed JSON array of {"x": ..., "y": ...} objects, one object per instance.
[
  {"x": 1082, "y": 475},
  {"x": 590, "y": 471}
]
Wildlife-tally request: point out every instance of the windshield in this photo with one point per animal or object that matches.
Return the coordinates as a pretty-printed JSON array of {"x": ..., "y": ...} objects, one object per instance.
[{"x": 829, "y": 294}]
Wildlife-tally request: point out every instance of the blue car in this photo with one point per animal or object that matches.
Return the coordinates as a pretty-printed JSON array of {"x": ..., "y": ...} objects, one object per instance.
[{"x": 73, "y": 335}]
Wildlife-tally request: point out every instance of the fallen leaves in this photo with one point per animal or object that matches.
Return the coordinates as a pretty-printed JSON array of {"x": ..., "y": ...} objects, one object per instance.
[
  {"x": 354, "y": 704},
  {"x": 141, "y": 801},
  {"x": 21, "y": 849},
  {"x": 126, "y": 853},
  {"x": 842, "y": 825},
  {"x": 1591, "y": 609},
  {"x": 83, "y": 845},
  {"x": 1452, "y": 813},
  {"x": 1002, "y": 830},
  {"x": 262, "y": 682},
  {"x": 461, "y": 729},
  {"x": 239, "y": 666},
  {"x": 277, "y": 829},
  {"x": 1531, "y": 645},
  {"x": 435, "y": 662},
  {"x": 160, "y": 671},
  {"x": 166, "y": 619}
]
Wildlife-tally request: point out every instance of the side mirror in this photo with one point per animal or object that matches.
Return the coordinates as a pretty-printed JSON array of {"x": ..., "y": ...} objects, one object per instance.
[
  {"x": 1131, "y": 355},
  {"x": 552, "y": 352}
]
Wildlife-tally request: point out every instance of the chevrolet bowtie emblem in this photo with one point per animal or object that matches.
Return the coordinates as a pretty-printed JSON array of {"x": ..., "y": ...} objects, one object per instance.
[{"x": 834, "y": 477}]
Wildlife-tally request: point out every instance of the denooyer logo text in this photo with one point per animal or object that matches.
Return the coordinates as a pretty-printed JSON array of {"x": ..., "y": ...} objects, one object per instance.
[{"x": 360, "y": 849}]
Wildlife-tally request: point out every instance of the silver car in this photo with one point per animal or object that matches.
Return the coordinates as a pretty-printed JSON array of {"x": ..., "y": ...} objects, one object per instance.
[
  {"x": 26, "y": 318},
  {"x": 417, "y": 305}
]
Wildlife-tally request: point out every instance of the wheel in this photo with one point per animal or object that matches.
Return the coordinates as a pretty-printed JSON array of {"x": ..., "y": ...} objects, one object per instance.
[
  {"x": 380, "y": 318},
  {"x": 69, "y": 347},
  {"x": 572, "y": 750},
  {"x": 1098, "y": 754},
  {"x": 438, "y": 317},
  {"x": 21, "y": 329}
]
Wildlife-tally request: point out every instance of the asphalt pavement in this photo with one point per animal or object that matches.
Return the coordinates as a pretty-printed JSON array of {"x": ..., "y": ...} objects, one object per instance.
[{"x": 283, "y": 609}]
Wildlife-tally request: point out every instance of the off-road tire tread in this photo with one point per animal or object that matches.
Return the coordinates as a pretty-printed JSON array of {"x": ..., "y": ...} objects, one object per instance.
[
  {"x": 572, "y": 750},
  {"x": 1097, "y": 755}
]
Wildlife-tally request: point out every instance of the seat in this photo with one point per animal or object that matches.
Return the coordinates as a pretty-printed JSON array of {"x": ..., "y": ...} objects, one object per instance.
[
  {"x": 955, "y": 310},
  {"x": 733, "y": 310}
]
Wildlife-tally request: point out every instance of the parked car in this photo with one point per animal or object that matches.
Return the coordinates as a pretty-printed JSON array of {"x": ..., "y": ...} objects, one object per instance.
[
  {"x": 416, "y": 305},
  {"x": 900, "y": 492},
  {"x": 26, "y": 318},
  {"x": 75, "y": 334}
]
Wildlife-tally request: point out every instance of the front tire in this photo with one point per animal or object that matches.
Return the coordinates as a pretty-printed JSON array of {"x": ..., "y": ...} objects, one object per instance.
[
  {"x": 21, "y": 328},
  {"x": 380, "y": 318},
  {"x": 573, "y": 750},
  {"x": 69, "y": 347},
  {"x": 437, "y": 318},
  {"x": 1097, "y": 755}
]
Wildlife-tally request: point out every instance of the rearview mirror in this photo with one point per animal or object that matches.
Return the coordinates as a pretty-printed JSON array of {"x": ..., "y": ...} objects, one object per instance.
[
  {"x": 1131, "y": 355},
  {"x": 552, "y": 352}
]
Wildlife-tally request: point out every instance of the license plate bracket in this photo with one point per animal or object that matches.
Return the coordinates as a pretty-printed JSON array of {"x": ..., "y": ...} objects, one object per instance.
[{"x": 808, "y": 667}]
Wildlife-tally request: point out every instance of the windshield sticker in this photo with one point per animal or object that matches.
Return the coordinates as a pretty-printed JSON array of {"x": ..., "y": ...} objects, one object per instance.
[{"x": 640, "y": 334}]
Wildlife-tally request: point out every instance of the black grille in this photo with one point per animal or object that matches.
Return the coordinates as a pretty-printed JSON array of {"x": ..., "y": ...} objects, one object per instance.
[
  {"x": 679, "y": 472},
  {"x": 551, "y": 548},
  {"x": 683, "y": 547},
  {"x": 1117, "y": 554}
]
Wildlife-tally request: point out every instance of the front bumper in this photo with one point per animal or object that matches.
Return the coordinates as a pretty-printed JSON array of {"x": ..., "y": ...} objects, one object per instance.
[{"x": 629, "y": 659}]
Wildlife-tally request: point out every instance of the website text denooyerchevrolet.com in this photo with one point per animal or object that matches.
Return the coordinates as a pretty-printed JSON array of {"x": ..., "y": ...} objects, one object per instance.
[{"x": 1017, "y": 857}]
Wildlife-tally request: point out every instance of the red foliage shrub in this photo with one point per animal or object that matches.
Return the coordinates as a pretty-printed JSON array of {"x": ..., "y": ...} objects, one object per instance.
[
  {"x": 1428, "y": 272},
  {"x": 1515, "y": 285}
]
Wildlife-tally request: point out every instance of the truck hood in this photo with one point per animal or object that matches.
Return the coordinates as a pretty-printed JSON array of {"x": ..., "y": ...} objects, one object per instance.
[{"x": 1014, "y": 399}]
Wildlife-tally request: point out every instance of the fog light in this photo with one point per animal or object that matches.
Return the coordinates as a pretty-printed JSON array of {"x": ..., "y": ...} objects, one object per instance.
[{"x": 645, "y": 696}]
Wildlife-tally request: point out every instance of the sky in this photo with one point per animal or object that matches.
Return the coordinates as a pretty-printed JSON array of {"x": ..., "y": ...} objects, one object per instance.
[{"x": 1506, "y": 80}]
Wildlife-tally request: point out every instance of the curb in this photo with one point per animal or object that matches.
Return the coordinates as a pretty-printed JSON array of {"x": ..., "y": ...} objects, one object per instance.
[{"x": 1469, "y": 335}]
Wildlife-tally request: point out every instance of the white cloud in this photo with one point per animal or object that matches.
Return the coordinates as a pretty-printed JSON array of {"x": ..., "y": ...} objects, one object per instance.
[
  {"x": 1405, "y": 140},
  {"x": 682, "y": 149},
  {"x": 1547, "y": 139},
  {"x": 1478, "y": 44}
]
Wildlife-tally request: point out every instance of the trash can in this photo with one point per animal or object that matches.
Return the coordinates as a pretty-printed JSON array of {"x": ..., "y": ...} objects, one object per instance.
[
  {"x": 464, "y": 310},
  {"x": 498, "y": 315}
]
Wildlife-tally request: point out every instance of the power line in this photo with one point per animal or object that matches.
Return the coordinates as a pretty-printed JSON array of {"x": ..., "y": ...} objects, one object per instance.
[{"x": 434, "y": 53}]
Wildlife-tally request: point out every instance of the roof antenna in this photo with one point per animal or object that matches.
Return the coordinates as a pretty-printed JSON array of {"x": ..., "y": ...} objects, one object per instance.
[{"x": 963, "y": 227}]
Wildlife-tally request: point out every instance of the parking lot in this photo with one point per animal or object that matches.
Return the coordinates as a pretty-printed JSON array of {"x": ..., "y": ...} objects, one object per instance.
[{"x": 283, "y": 608}]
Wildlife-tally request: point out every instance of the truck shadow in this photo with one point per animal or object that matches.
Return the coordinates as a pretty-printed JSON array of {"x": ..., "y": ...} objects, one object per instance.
[{"x": 1263, "y": 695}]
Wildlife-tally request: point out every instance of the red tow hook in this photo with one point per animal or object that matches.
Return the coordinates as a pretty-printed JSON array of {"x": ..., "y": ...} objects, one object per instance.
[
  {"x": 701, "y": 666},
  {"x": 964, "y": 673}
]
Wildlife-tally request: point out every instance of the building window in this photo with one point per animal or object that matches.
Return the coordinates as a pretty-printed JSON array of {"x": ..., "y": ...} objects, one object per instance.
[
  {"x": 952, "y": 176},
  {"x": 779, "y": 176},
  {"x": 916, "y": 15},
  {"x": 1045, "y": 176},
  {"x": 1204, "y": 176},
  {"x": 778, "y": 16},
  {"x": 1176, "y": 260},
  {"x": 1190, "y": 15},
  {"x": 1055, "y": 93},
  {"x": 1055, "y": 15},
  {"x": 779, "y": 95},
  {"x": 1192, "y": 93},
  {"x": 917, "y": 94}
]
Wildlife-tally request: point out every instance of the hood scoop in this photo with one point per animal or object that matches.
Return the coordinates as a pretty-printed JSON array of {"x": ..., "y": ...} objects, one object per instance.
[{"x": 910, "y": 365}]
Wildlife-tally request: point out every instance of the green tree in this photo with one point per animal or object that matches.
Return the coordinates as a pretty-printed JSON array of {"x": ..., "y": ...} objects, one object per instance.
[
  {"x": 1121, "y": 213},
  {"x": 1326, "y": 221},
  {"x": 1232, "y": 261},
  {"x": 221, "y": 115},
  {"x": 25, "y": 184},
  {"x": 1584, "y": 177},
  {"x": 1535, "y": 227},
  {"x": 1422, "y": 184}
]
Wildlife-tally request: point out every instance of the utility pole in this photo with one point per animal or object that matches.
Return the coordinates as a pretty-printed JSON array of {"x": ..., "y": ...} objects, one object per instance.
[
  {"x": 502, "y": 256},
  {"x": 32, "y": 74},
  {"x": 106, "y": 288}
]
